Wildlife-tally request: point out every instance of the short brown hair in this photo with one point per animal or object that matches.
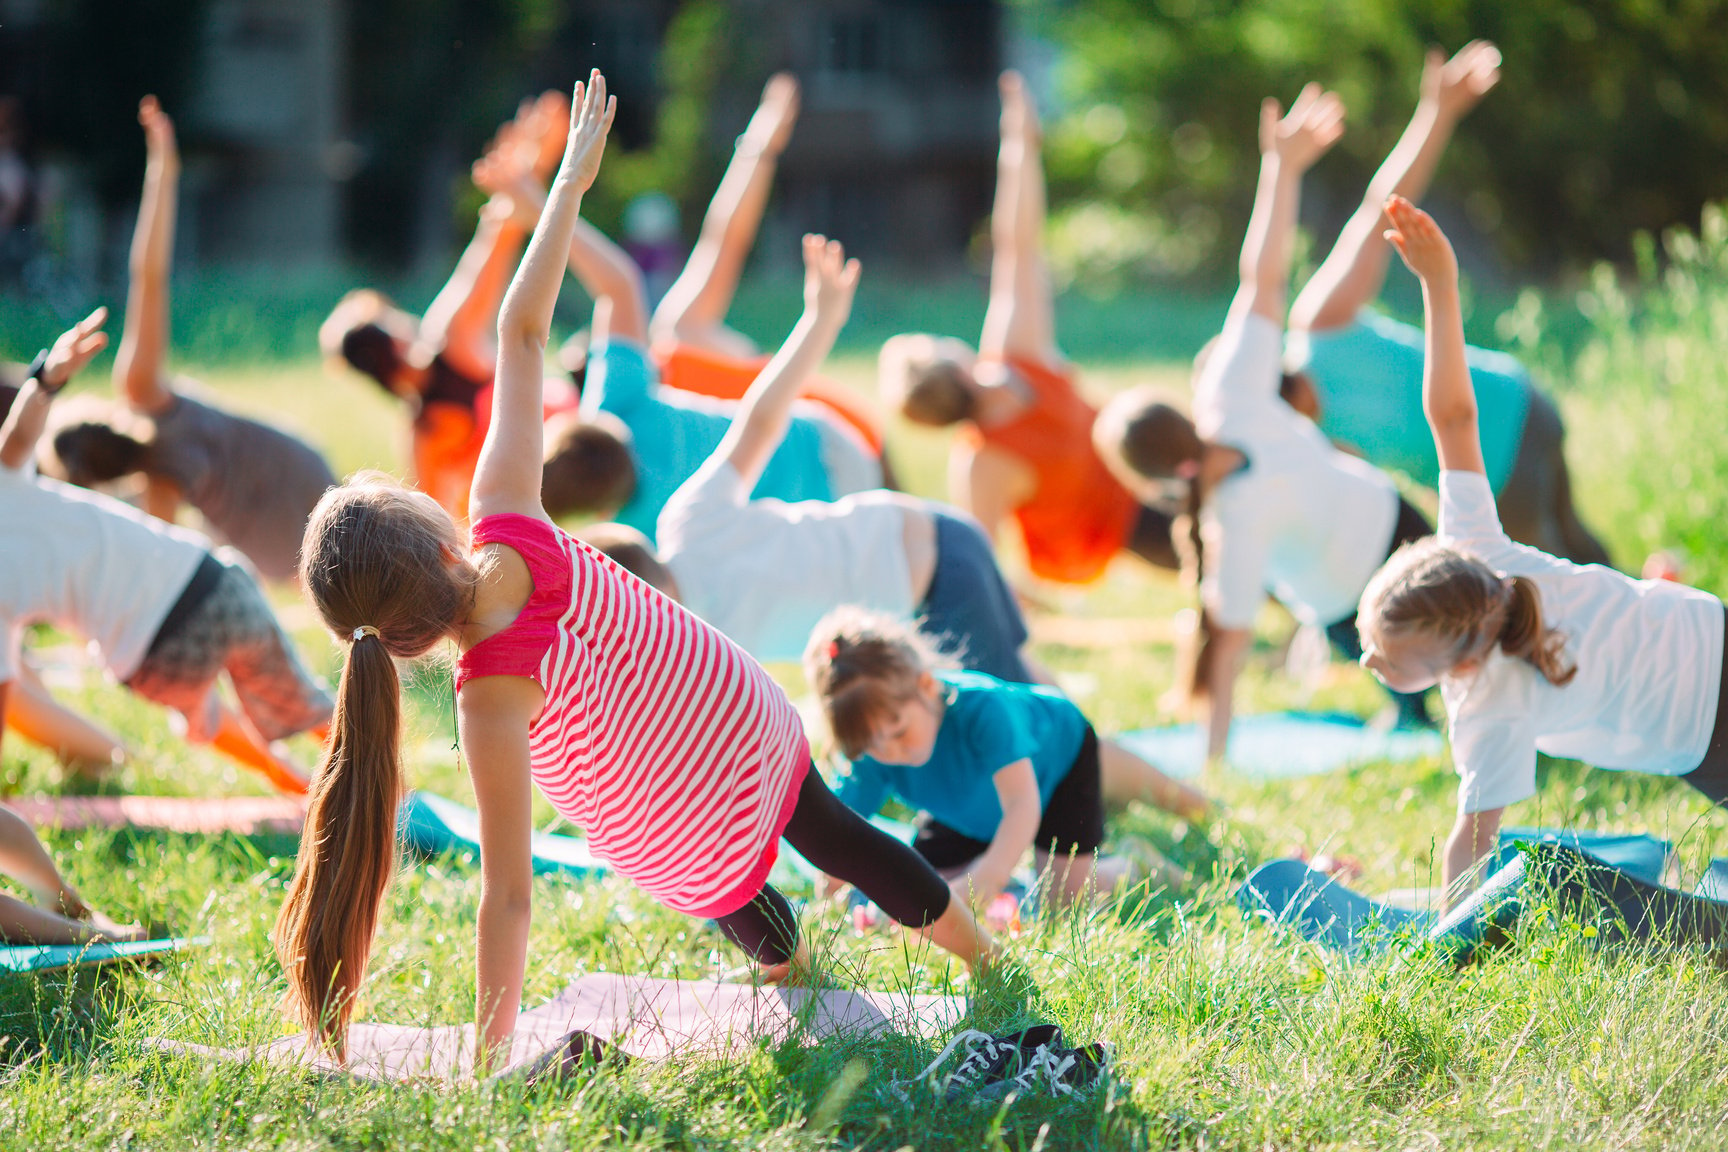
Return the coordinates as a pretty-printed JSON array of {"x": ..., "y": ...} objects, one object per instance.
[
  {"x": 589, "y": 466},
  {"x": 1140, "y": 430},
  {"x": 631, "y": 551},
  {"x": 862, "y": 665},
  {"x": 936, "y": 394},
  {"x": 93, "y": 441}
]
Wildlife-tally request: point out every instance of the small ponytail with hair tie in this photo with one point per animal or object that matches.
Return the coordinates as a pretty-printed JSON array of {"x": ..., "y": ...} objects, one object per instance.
[{"x": 1523, "y": 634}]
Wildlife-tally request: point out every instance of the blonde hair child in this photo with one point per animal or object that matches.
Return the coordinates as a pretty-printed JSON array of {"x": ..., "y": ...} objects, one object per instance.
[{"x": 1532, "y": 653}]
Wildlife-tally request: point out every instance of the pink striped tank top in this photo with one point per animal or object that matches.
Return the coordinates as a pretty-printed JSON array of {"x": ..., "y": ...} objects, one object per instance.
[{"x": 668, "y": 745}]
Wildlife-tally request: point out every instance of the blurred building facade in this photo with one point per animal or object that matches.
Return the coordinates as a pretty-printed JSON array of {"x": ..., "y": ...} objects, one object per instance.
[{"x": 297, "y": 156}]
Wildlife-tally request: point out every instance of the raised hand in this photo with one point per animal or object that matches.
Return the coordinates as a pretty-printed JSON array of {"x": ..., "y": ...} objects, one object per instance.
[
  {"x": 1421, "y": 243},
  {"x": 159, "y": 140},
  {"x": 1314, "y": 123},
  {"x": 1019, "y": 112},
  {"x": 830, "y": 280},
  {"x": 549, "y": 124},
  {"x": 771, "y": 126},
  {"x": 590, "y": 119},
  {"x": 1455, "y": 85},
  {"x": 75, "y": 348}
]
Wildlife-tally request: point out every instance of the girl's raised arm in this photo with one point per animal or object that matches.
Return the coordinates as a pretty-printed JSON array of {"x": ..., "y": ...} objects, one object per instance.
[
  {"x": 507, "y": 478},
  {"x": 138, "y": 365},
  {"x": 766, "y": 410},
  {"x": 1289, "y": 146},
  {"x": 1020, "y": 320},
  {"x": 1447, "y": 396}
]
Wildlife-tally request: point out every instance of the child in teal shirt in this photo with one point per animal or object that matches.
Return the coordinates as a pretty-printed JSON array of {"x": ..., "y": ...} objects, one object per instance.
[{"x": 994, "y": 767}]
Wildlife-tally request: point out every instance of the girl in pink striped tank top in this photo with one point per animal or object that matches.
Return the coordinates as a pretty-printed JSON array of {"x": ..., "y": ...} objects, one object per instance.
[{"x": 675, "y": 752}]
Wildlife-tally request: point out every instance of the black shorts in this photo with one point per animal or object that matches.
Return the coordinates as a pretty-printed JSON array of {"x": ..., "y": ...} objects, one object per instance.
[
  {"x": 1073, "y": 820},
  {"x": 1711, "y": 775}
]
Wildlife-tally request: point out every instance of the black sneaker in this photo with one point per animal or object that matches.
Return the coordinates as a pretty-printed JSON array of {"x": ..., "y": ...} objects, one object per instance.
[{"x": 1031, "y": 1060}]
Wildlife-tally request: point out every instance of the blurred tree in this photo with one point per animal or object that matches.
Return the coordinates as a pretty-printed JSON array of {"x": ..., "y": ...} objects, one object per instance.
[
  {"x": 106, "y": 54},
  {"x": 1612, "y": 116}
]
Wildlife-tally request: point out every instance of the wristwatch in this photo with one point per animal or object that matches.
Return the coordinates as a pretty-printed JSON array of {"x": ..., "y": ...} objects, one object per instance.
[{"x": 37, "y": 367}]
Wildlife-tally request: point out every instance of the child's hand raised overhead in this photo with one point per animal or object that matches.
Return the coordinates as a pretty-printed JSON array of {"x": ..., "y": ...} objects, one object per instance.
[
  {"x": 590, "y": 119},
  {"x": 1455, "y": 85},
  {"x": 770, "y": 129},
  {"x": 1315, "y": 123},
  {"x": 75, "y": 348},
  {"x": 830, "y": 280},
  {"x": 159, "y": 140},
  {"x": 1419, "y": 240},
  {"x": 1019, "y": 111}
]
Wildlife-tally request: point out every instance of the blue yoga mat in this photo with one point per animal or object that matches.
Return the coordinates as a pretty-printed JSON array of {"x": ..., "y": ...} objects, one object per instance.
[
  {"x": 54, "y": 957},
  {"x": 1621, "y": 872},
  {"x": 1281, "y": 745}
]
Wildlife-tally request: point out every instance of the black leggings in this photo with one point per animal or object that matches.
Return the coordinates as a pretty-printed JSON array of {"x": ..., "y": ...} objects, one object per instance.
[
  {"x": 845, "y": 845},
  {"x": 1535, "y": 503}
]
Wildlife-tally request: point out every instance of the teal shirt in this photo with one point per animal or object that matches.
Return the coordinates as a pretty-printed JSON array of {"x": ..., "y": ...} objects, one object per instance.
[
  {"x": 672, "y": 433},
  {"x": 987, "y": 725},
  {"x": 1369, "y": 378}
]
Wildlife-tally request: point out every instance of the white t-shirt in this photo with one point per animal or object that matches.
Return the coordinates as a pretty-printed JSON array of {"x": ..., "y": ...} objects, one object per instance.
[
  {"x": 1649, "y": 657},
  {"x": 88, "y": 563},
  {"x": 765, "y": 571},
  {"x": 1302, "y": 519}
]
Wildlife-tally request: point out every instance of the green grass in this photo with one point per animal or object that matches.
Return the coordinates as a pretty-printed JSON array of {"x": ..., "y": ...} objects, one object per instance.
[{"x": 1227, "y": 1036}]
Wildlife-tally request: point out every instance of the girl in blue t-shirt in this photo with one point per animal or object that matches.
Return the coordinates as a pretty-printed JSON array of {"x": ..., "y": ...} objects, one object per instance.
[{"x": 994, "y": 767}]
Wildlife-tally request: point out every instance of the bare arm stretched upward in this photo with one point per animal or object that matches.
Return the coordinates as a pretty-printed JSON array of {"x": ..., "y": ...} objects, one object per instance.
[
  {"x": 1020, "y": 320},
  {"x": 139, "y": 374},
  {"x": 766, "y": 410},
  {"x": 1289, "y": 146},
  {"x": 1447, "y": 396},
  {"x": 507, "y": 478},
  {"x": 1354, "y": 271},
  {"x": 694, "y": 308}
]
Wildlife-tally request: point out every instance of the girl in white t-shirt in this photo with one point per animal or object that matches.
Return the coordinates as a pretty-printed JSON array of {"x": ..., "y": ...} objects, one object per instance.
[
  {"x": 1531, "y": 653},
  {"x": 1271, "y": 504}
]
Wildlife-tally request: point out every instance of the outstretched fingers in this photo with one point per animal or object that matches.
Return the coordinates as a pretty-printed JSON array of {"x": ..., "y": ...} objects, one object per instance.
[
  {"x": 1419, "y": 240},
  {"x": 830, "y": 279},
  {"x": 158, "y": 128},
  {"x": 591, "y": 111}
]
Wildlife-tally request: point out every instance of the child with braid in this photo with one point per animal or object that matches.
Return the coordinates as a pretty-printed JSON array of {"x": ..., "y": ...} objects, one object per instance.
[
  {"x": 675, "y": 752},
  {"x": 1532, "y": 653}
]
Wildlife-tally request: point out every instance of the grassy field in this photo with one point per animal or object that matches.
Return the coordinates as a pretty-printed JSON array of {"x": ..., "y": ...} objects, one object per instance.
[{"x": 1227, "y": 1035}]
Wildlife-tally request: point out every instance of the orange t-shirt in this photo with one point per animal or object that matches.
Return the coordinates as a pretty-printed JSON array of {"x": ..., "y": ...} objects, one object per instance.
[
  {"x": 1079, "y": 516},
  {"x": 692, "y": 369},
  {"x": 448, "y": 438}
]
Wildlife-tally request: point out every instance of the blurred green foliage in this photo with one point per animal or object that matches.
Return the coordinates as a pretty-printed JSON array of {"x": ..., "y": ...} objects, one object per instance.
[{"x": 1611, "y": 117}]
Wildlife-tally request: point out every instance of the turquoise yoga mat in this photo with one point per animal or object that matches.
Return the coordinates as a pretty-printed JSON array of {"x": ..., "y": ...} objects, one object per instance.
[
  {"x": 432, "y": 826},
  {"x": 1283, "y": 745},
  {"x": 55, "y": 957},
  {"x": 1619, "y": 873}
]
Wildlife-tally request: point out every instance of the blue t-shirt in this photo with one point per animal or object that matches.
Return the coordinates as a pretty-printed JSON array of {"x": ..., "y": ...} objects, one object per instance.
[
  {"x": 1369, "y": 378},
  {"x": 988, "y": 724},
  {"x": 673, "y": 433}
]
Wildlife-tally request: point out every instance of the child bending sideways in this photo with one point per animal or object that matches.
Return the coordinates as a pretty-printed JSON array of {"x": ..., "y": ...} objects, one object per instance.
[
  {"x": 1532, "y": 653},
  {"x": 996, "y": 768},
  {"x": 676, "y": 753},
  {"x": 168, "y": 616},
  {"x": 764, "y": 571}
]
